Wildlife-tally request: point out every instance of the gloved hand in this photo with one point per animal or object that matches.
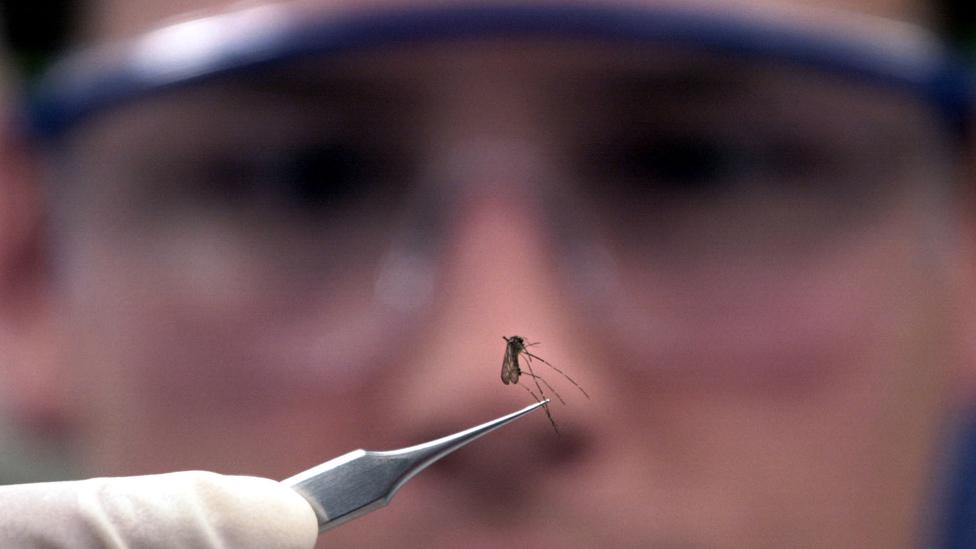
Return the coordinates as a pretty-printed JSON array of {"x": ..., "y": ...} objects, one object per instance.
[{"x": 187, "y": 509}]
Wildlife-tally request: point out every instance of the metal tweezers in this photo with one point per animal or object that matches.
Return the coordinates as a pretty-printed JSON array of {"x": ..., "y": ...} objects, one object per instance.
[{"x": 362, "y": 481}]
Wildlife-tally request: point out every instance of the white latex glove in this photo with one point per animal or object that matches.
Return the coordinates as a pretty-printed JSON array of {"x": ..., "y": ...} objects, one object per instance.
[{"x": 188, "y": 509}]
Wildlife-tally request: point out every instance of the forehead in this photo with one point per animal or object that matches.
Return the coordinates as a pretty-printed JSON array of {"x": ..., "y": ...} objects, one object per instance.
[{"x": 111, "y": 19}]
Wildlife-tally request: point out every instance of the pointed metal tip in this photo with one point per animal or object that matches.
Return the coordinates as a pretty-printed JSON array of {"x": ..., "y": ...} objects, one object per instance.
[
  {"x": 424, "y": 454},
  {"x": 361, "y": 481}
]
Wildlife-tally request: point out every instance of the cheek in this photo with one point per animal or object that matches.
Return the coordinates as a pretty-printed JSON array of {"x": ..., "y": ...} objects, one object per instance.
[
  {"x": 186, "y": 315},
  {"x": 181, "y": 374},
  {"x": 882, "y": 296},
  {"x": 742, "y": 378}
]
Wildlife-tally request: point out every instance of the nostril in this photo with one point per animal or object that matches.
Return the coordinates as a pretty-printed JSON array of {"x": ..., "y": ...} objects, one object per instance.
[
  {"x": 524, "y": 448},
  {"x": 508, "y": 472},
  {"x": 566, "y": 449}
]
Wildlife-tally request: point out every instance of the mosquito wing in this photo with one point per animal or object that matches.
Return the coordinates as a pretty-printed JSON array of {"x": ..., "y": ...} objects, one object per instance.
[{"x": 510, "y": 365}]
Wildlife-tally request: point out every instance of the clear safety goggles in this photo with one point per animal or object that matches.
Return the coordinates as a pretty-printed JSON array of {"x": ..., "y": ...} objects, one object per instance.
[{"x": 334, "y": 152}]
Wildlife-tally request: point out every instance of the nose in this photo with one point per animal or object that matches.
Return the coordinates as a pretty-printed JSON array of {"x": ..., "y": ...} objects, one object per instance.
[{"x": 500, "y": 280}]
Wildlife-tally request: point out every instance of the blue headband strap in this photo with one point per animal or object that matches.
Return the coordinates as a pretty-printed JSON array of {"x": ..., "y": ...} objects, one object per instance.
[{"x": 198, "y": 50}]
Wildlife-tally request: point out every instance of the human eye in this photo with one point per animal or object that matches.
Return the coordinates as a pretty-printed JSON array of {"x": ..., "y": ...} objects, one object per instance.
[
  {"x": 672, "y": 165},
  {"x": 316, "y": 180}
]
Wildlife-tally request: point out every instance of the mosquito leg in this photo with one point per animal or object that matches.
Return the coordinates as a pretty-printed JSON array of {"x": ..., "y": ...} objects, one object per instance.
[
  {"x": 562, "y": 373},
  {"x": 552, "y": 421},
  {"x": 546, "y": 383},
  {"x": 536, "y": 398},
  {"x": 528, "y": 358},
  {"x": 535, "y": 378},
  {"x": 545, "y": 406}
]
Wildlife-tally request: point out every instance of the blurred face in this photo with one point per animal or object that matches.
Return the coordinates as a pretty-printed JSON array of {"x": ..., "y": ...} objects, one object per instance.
[{"x": 754, "y": 270}]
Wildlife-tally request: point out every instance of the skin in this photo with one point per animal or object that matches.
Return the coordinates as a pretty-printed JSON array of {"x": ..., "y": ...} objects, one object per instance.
[{"x": 110, "y": 345}]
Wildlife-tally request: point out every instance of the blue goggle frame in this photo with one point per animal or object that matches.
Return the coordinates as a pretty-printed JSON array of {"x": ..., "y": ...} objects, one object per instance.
[{"x": 887, "y": 54}]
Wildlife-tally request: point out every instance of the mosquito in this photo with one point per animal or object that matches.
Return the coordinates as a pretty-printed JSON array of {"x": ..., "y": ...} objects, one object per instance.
[{"x": 516, "y": 346}]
